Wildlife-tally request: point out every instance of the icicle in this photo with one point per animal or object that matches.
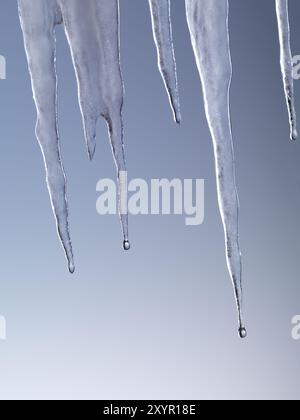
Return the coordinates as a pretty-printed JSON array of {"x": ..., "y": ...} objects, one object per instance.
[
  {"x": 286, "y": 61},
  {"x": 92, "y": 29},
  {"x": 208, "y": 24},
  {"x": 38, "y": 20},
  {"x": 95, "y": 24},
  {"x": 162, "y": 31}
]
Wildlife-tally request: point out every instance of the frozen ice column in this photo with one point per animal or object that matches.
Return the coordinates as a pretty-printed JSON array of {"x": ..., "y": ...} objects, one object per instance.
[
  {"x": 208, "y": 24},
  {"x": 38, "y": 20},
  {"x": 286, "y": 61},
  {"x": 162, "y": 32},
  {"x": 92, "y": 28}
]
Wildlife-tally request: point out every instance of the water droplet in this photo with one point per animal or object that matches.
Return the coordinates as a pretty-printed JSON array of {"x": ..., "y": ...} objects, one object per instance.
[
  {"x": 243, "y": 332},
  {"x": 126, "y": 245}
]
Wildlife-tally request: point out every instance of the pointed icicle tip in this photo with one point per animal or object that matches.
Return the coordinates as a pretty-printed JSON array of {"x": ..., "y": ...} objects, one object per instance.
[
  {"x": 178, "y": 117},
  {"x": 90, "y": 135},
  {"x": 92, "y": 150},
  {"x": 294, "y": 135},
  {"x": 71, "y": 267}
]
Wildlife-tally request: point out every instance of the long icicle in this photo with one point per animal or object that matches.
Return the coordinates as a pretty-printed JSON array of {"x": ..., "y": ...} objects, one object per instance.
[
  {"x": 95, "y": 24},
  {"x": 286, "y": 62},
  {"x": 208, "y": 24},
  {"x": 38, "y": 20},
  {"x": 162, "y": 32}
]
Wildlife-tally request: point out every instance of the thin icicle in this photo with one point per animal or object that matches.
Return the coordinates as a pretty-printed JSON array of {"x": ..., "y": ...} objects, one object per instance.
[
  {"x": 208, "y": 24},
  {"x": 162, "y": 31},
  {"x": 286, "y": 62}
]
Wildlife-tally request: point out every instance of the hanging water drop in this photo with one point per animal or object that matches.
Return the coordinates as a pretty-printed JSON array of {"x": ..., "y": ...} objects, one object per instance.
[{"x": 126, "y": 245}]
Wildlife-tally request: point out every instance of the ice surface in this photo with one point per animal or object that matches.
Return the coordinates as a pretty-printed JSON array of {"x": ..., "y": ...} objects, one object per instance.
[
  {"x": 162, "y": 31},
  {"x": 92, "y": 29},
  {"x": 286, "y": 61},
  {"x": 208, "y": 24}
]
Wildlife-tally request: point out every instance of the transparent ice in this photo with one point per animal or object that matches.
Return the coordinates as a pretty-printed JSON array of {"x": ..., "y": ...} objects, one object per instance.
[
  {"x": 92, "y": 30},
  {"x": 286, "y": 61},
  {"x": 162, "y": 31},
  {"x": 208, "y": 24}
]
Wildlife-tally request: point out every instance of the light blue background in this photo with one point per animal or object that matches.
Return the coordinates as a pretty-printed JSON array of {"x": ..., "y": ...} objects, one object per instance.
[{"x": 158, "y": 322}]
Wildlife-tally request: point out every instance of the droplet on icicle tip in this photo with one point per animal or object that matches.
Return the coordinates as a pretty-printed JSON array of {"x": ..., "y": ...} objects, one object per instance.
[
  {"x": 243, "y": 333},
  {"x": 126, "y": 245}
]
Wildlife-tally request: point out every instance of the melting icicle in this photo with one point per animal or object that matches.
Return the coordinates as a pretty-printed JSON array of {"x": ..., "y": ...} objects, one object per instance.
[
  {"x": 90, "y": 23},
  {"x": 162, "y": 31},
  {"x": 208, "y": 24},
  {"x": 95, "y": 24},
  {"x": 38, "y": 20},
  {"x": 286, "y": 61}
]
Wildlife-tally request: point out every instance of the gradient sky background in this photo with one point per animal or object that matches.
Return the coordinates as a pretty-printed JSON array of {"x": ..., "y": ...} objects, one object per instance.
[{"x": 159, "y": 322}]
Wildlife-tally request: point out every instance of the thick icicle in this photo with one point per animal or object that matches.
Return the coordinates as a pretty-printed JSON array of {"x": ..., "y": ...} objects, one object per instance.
[
  {"x": 92, "y": 29},
  {"x": 162, "y": 31},
  {"x": 208, "y": 24},
  {"x": 38, "y": 20},
  {"x": 286, "y": 61}
]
